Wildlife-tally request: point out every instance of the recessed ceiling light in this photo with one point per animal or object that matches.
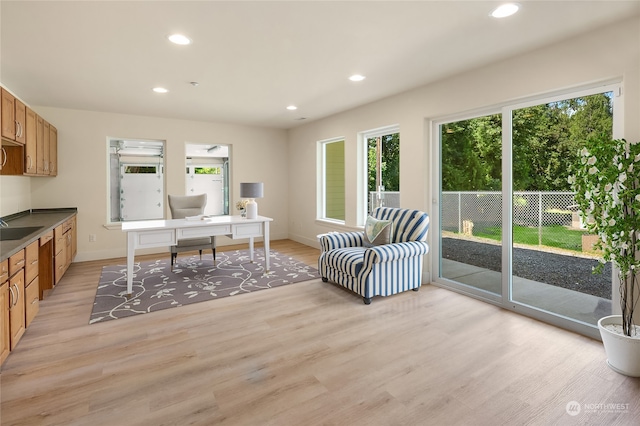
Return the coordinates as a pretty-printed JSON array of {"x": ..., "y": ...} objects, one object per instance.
[
  {"x": 179, "y": 39},
  {"x": 292, "y": 107},
  {"x": 505, "y": 10},
  {"x": 357, "y": 77},
  {"x": 160, "y": 90}
]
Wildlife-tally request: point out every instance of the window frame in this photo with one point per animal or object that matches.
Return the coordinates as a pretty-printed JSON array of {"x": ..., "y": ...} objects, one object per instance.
[
  {"x": 363, "y": 149},
  {"x": 160, "y": 169}
]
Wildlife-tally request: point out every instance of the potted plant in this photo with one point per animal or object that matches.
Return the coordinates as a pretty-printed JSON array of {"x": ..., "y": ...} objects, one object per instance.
[{"x": 606, "y": 181}]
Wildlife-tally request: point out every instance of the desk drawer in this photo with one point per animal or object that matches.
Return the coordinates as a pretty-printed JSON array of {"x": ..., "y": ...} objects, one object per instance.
[
  {"x": 164, "y": 237},
  {"x": 247, "y": 230},
  {"x": 203, "y": 231}
]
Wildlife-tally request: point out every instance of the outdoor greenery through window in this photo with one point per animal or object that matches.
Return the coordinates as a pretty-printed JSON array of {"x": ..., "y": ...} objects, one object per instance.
[
  {"x": 383, "y": 170},
  {"x": 546, "y": 138}
]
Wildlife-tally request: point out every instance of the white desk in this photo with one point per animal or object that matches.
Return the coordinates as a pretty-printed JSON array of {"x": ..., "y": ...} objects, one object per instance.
[{"x": 165, "y": 233}]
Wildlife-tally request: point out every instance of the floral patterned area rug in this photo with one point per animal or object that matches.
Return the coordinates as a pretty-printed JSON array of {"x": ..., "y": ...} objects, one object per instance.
[{"x": 192, "y": 280}]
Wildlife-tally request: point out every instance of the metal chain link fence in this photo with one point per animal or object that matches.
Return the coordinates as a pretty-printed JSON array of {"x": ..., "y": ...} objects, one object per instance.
[{"x": 478, "y": 213}]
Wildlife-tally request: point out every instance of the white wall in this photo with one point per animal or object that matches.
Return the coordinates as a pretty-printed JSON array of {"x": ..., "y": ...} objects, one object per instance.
[
  {"x": 15, "y": 194},
  {"x": 257, "y": 154},
  {"x": 612, "y": 52}
]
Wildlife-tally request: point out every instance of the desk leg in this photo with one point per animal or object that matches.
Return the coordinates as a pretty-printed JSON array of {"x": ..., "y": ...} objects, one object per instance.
[
  {"x": 131, "y": 237},
  {"x": 266, "y": 244},
  {"x": 251, "y": 249}
]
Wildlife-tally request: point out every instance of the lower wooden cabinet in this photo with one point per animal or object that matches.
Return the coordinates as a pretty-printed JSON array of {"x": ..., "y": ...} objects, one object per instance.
[
  {"x": 32, "y": 285},
  {"x": 26, "y": 275},
  {"x": 17, "y": 324},
  {"x": 5, "y": 332},
  {"x": 65, "y": 247},
  {"x": 31, "y": 301}
]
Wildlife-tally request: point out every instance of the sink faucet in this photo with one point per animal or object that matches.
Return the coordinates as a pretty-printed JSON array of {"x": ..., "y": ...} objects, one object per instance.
[{"x": 3, "y": 224}]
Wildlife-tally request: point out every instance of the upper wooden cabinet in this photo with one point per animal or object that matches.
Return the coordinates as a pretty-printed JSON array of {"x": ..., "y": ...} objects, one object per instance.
[
  {"x": 39, "y": 145},
  {"x": 53, "y": 150},
  {"x": 8, "y": 116},
  {"x": 31, "y": 147},
  {"x": 13, "y": 118},
  {"x": 29, "y": 143}
]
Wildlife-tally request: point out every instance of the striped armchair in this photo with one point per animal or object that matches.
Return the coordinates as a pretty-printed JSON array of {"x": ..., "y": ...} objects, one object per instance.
[{"x": 380, "y": 270}]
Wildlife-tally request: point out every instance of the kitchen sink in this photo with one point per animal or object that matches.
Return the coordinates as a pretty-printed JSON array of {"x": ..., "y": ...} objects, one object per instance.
[{"x": 18, "y": 233}]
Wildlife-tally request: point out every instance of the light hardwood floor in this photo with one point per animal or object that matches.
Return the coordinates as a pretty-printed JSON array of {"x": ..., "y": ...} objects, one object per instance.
[{"x": 306, "y": 354}]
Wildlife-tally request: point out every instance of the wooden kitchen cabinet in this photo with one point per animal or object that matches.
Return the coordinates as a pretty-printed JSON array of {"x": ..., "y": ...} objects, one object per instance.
[
  {"x": 8, "y": 116},
  {"x": 53, "y": 151},
  {"x": 13, "y": 118},
  {"x": 46, "y": 151},
  {"x": 59, "y": 252},
  {"x": 31, "y": 143},
  {"x": 16, "y": 298},
  {"x": 32, "y": 286},
  {"x": 20, "y": 116},
  {"x": 39, "y": 145},
  {"x": 5, "y": 331}
]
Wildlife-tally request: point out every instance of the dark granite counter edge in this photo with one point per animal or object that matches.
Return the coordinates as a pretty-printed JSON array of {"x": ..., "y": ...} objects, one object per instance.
[{"x": 48, "y": 219}]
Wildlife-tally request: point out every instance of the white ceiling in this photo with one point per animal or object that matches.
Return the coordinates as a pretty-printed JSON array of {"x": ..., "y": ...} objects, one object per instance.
[{"x": 252, "y": 59}]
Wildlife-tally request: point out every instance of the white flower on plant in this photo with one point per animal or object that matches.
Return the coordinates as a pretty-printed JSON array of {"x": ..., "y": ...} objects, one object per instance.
[
  {"x": 612, "y": 222},
  {"x": 608, "y": 187},
  {"x": 630, "y": 168},
  {"x": 592, "y": 160},
  {"x": 620, "y": 166},
  {"x": 571, "y": 179},
  {"x": 593, "y": 170},
  {"x": 637, "y": 158},
  {"x": 638, "y": 200},
  {"x": 584, "y": 152},
  {"x": 587, "y": 195},
  {"x": 622, "y": 177}
]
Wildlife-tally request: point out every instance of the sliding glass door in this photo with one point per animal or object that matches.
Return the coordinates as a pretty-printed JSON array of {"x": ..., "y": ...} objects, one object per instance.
[
  {"x": 471, "y": 204},
  {"x": 552, "y": 257},
  {"x": 509, "y": 231}
]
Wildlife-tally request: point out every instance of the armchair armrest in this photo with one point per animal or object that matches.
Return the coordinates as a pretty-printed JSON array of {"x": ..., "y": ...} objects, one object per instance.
[
  {"x": 336, "y": 240},
  {"x": 395, "y": 251}
]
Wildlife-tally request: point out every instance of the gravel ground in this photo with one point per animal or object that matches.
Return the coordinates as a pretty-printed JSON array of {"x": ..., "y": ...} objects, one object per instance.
[{"x": 556, "y": 269}]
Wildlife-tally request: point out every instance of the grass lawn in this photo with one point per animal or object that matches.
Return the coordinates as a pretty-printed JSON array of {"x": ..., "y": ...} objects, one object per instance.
[{"x": 552, "y": 236}]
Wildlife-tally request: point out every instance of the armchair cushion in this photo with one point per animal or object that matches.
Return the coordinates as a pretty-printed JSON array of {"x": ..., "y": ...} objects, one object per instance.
[{"x": 377, "y": 232}]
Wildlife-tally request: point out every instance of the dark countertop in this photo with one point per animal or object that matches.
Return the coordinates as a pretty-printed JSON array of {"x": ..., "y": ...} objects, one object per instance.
[{"x": 48, "y": 219}]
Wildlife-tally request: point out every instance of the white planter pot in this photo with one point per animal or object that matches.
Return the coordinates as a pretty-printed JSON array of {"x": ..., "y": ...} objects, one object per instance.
[{"x": 623, "y": 352}]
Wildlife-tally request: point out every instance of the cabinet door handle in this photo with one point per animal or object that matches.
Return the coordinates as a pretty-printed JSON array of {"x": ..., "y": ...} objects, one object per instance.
[
  {"x": 20, "y": 262},
  {"x": 11, "y": 297},
  {"x": 34, "y": 301},
  {"x": 30, "y": 162},
  {"x": 18, "y": 292},
  {"x": 4, "y": 154},
  {"x": 34, "y": 262}
]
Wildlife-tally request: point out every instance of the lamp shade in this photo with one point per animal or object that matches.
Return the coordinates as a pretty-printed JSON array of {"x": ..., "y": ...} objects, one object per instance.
[{"x": 251, "y": 190}]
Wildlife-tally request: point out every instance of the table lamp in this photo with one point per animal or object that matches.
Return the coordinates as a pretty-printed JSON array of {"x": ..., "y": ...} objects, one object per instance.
[{"x": 251, "y": 191}]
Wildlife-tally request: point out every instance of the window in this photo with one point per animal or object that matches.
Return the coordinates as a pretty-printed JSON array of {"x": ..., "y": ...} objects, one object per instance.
[
  {"x": 383, "y": 167},
  {"x": 208, "y": 173},
  {"x": 136, "y": 180},
  {"x": 332, "y": 193}
]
